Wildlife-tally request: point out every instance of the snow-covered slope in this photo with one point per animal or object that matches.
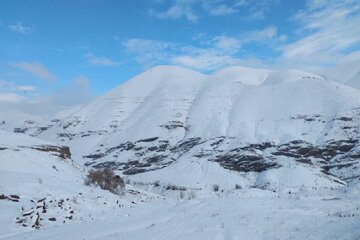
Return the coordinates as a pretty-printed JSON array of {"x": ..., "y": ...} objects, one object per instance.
[
  {"x": 281, "y": 144},
  {"x": 172, "y": 118},
  {"x": 346, "y": 73},
  {"x": 41, "y": 186}
]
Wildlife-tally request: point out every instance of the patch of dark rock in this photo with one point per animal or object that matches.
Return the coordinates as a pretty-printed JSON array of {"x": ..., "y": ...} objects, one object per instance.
[
  {"x": 304, "y": 160},
  {"x": 111, "y": 164},
  {"x": 174, "y": 124},
  {"x": 2, "y": 148},
  {"x": 153, "y": 148},
  {"x": 260, "y": 146},
  {"x": 15, "y": 196},
  {"x": 175, "y": 188},
  {"x": 186, "y": 145},
  {"x": 67, "y": 135},
  {"x": 21, "y": 221},
  {"x": 95, "y": 156},
  {"x": 202, "y": 155},
  {"x": 3, "y": 197},
  {"x": 122, "y": 147},
  {"x": 20, "y": 130},
  {"x": 27, "y": 213},
  {"x": 345, "y": 119},
  {"x": 337, "y": 181},
  {"x": 134, "y": 171},
  {"x": 217, "y": 142},
  {"x": 148, "y": 139},
  {"x": 43, "y": 128},
  {"x": 244, "y": 163},
  {"x": 339, "y": 166},
  {"x": 286, "y": 154},
  {"x": 309, "y": 119},
  {"x": 136, "y": 162},
  {"x": 155, "y": 159},
  {"x": 52, "y": 219},
  {"x": 62, "y": 151},
  {"x": 310, "y": 152},
  {"x": 144, "y": 165},
  {"x": 355, "y": 155},
  {"x": 162, "y": 147}
]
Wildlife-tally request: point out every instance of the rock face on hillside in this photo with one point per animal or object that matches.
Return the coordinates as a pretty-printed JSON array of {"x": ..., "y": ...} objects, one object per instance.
[{"x": 257, "y": 124}]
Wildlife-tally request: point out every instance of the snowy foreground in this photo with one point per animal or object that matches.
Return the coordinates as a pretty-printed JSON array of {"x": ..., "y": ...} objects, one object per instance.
[
  {"x": 236, "y": 215},
  {"x": 239, "y": 154}
]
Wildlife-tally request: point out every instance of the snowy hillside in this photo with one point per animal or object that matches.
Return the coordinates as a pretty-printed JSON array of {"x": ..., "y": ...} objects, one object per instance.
[
  {"x": 284, "y": 139},
  {"x": 236, "y": 122}
]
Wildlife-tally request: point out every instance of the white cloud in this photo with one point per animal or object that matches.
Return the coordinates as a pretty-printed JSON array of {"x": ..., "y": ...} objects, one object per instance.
[
  {"x": 149, "y": 52},
  {"x": 20, "y": 28},
  {"x": 179, "y": 9},
  {"x": 10, "y": 97},
  {"x": 228, "y": 44},
  {"x": 205, "y": 60},
  {"x": 11, "y": 86},
  {"x": 212, "y": 54},
  {"x": 283, "y": 38},
  {"x": 193, "y": 9},
  {"x": 77, "y": 92},
  {"x": 11, "y": 92},
  {"x": 260, "y": 36},
  {"x": 328, "y": 29},
  {"x": 258, "y": 9},
  {"x": 26, "y": 88},
  {"x": 222, "y": 10},
  {"x": 35, "y": 68},
  {"x": 100, "y": 61}
]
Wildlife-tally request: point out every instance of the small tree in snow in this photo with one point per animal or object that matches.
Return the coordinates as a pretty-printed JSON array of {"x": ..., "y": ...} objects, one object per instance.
[{"x": 106, "y": 179}]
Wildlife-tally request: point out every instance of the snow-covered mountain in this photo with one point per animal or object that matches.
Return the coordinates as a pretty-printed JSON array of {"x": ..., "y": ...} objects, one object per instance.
[
  {"x": 239, "y": 119},
  {"x": 170, "y": 128}
]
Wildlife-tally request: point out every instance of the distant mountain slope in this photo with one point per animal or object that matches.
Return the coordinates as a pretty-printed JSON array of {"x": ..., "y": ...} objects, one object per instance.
[{"x": 254, "y": 126}]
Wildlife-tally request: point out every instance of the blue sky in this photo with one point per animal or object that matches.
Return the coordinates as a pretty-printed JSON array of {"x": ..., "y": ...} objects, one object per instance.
[{"x": 69, "y": 51}]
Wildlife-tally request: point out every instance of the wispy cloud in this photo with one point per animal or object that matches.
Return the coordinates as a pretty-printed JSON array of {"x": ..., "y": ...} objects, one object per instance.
[
  {"x": 10, "y": 97},
  {"x": 149, "y": 52},
  {"x": 20, "y": 28},
  {"x": 204, "y": 59},
  {"x": 35, "y": 68},
  {"x": 212, "y": 54},
  {"x": 77, "y": 92},
  {"x": 101, "y": 61},
  {"x": 222, "y": 10},
  {"x": 11, "y": 86},
  {"x": 193, "y": 9},
  {"x": 258, "y": 9},
  {"x": 179, "y": 9},
  {"x": 261, "y": 35},
  {"x": 328, "y": 29},
  {"x": 11, "y": 92}
]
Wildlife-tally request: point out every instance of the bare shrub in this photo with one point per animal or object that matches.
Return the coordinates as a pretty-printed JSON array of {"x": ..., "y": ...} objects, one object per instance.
[{"x": 106, "y": 179}]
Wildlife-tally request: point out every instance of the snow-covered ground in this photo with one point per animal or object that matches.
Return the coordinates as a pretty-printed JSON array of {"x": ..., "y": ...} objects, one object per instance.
[{"x": 239, "y": 154}]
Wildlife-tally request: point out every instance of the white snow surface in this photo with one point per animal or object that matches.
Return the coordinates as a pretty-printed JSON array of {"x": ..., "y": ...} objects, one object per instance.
[{"x": 169, "y": 105}]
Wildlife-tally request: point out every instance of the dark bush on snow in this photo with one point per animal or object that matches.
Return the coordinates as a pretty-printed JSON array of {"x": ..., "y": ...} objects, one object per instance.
[{"x": 106, "y": 179}]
